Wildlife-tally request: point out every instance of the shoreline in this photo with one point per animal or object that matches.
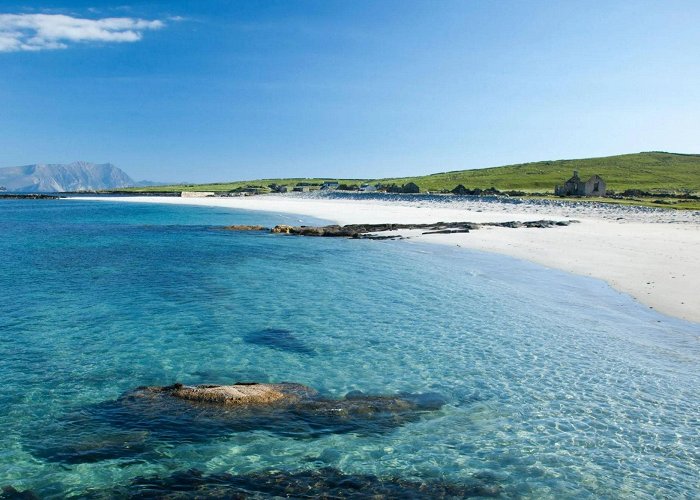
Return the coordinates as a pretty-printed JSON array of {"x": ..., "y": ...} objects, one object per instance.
[{"x": 653, "y": 259}]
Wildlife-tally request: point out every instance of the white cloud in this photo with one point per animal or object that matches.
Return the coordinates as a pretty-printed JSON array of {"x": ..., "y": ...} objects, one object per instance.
[{"x": 32, "y": 32}]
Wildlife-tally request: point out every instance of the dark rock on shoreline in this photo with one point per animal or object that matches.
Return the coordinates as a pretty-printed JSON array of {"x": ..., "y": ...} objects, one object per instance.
[
  {"x": 368, "y": 231},
  {"x": 29, "y": 196},
  {"x": 511, "y": 224},
  {"x": 542, "y": 224},
  {"x": 327, "y": 231},
  {"x": 447, "y": 231},
  {"x": 325, "y": 482},
  {"x": 246, "y": 228}
]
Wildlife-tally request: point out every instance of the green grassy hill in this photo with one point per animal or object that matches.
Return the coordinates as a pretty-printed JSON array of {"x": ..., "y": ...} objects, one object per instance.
[
  {"x": 643, "y": 171},
  {"x": 229, "y": 186},
  {"x": 653, "y": 172}
]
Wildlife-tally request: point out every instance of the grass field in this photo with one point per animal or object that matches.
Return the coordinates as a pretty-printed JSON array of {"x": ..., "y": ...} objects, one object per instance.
[
  {"x": 654, "y": 172},
  {"x": 643, "y": 171},
  {"x": 229, "y": 186}
]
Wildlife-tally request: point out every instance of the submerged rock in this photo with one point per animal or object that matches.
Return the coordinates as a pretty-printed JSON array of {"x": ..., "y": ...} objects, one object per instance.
[
  {"x": 135, "y": 424},
  {"x": 280, "y": 339},
  {"x": 82, "y": 438},
  {"x": 11, "y": 493},
  {"x": 355, "y": 411},
  {"x": 326, "y": 482}
]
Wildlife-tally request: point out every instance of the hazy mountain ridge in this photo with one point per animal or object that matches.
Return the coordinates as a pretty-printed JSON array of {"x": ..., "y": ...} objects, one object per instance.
[{"x": 76, "y": 176}]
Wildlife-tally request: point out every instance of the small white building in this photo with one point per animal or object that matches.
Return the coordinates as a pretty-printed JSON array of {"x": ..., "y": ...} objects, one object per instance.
[{"x": 368, "y": 188}]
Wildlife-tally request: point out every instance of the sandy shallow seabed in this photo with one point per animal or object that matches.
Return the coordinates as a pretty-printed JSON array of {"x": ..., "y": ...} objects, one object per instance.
[{"x": 652, "y": 256}]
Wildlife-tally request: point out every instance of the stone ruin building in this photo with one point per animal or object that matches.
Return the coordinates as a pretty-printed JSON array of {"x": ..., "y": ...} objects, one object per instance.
[{"x": 595, "y": 186}]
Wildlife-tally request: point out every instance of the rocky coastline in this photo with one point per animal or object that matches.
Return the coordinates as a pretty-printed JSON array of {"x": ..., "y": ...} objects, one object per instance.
[
  {"x": 27, "y": 196},
  {"x": 368, "y": 231}
]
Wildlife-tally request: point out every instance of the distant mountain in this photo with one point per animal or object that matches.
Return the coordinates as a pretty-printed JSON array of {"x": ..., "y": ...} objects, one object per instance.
[{"x": 77, "y": 176}]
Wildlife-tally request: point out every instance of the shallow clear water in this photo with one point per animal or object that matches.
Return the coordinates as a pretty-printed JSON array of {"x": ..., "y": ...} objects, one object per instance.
[{"x": 556, "y": 385}]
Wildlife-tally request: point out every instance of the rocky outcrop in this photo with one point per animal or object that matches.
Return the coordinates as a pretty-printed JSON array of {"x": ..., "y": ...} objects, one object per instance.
[
  {"x": 135, "y": 424},
  {"x": 28, "y": 196},
  {"x": 253, "y": 395},
  {"x": 543, "y": 224},
  {"x": 368, "y": 231},
  {"x": 246, "y": 228},
  {"x": 281, "y": 229},
  {"x": 447, "y": 231},
  {"x": 328, "y": 231},
  {"x": 236, "y": 395}
]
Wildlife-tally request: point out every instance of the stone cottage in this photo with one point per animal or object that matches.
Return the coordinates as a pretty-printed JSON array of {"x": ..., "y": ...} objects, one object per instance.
[{"x": 595, "y": 186}]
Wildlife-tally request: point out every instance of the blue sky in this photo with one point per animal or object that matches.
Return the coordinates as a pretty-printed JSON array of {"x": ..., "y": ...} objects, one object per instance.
[{"x": 223, "y": 90}]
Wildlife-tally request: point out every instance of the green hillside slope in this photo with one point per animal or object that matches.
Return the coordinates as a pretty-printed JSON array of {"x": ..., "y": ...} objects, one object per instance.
[
  {"x": 643, "y": 171},
  {"x": 653, "y": 172},
  {"x": 229, "y": 186}
]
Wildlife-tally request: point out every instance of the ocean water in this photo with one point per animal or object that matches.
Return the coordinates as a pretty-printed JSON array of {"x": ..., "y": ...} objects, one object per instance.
[{"x": 553, "y": 385}]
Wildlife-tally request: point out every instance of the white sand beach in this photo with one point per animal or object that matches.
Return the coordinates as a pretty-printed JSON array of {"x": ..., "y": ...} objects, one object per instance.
[{"x": 654, "y": 256}]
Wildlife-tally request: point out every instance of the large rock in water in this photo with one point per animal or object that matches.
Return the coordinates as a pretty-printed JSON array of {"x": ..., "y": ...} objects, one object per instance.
[
  {"x": 137, "y": 423},
  {"x": 240, "y": 394},
  {"x": 252, "y": 397}
]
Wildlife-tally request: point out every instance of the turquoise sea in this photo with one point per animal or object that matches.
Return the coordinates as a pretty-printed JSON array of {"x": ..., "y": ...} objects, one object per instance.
[{"x": 554, "y": 385}]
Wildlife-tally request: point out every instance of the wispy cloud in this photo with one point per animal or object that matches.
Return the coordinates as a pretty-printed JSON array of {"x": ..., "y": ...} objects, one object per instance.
[{"x": 33, "y": 32}]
